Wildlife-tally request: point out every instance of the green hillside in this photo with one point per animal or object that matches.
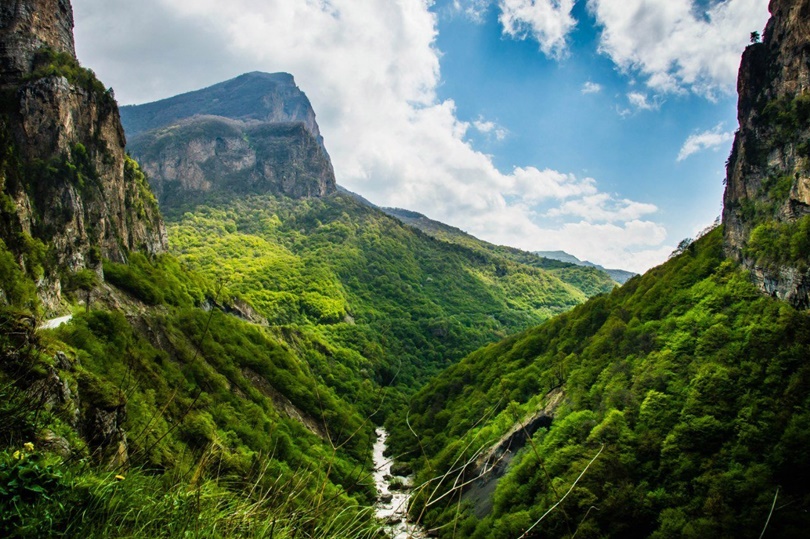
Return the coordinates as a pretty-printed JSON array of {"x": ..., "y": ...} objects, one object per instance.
[
  {"x": 395, "y": 302},
  {"x": 156, "y": 418},
  {"x": 590, "y": 280},
  {"x": 689, "y": 385}
]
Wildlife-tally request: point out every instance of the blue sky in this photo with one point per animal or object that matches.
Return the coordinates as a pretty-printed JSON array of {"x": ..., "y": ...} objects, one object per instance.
[
  {"x": 548, "y": 117},
  {"x": 599, "y": 127}
]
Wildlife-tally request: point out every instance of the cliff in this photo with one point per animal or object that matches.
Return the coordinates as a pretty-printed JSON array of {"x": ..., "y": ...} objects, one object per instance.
[
  {"x": 25, "y": 27},
  {"x": 767, "y": 199},
  {"x": 255, "y": 134},
  {"x": 68, "y": 187}
]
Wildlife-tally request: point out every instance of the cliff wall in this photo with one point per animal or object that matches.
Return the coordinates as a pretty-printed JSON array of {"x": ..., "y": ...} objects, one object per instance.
[
  {"x": 767, "y": 193},
  {"x": 66, "y": 180}
]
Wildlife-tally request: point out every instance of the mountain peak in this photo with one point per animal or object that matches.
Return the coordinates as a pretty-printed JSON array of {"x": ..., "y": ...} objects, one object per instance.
[
  {"x": 254, "y": 96},
  {"x": 253, "y": 134}
]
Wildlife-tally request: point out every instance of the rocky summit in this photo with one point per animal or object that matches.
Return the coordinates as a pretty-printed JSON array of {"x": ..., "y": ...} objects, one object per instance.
[{"x": 255, "y": 134}]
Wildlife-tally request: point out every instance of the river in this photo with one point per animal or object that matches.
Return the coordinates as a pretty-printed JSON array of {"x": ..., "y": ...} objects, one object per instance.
[{"x": 392, "y": 504}]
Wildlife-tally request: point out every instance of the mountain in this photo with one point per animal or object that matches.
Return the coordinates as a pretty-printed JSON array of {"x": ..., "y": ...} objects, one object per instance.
[
  {"x": 675, "y": 406},
  {"x": 400, "y": 302},
  {"x": 767, "y": 198},
  {"x": 620, "y": 276},
  {"x": 255, "y": 134},
  {"x": 70, "y": 195},
  {"x": 260, "y": 97}
]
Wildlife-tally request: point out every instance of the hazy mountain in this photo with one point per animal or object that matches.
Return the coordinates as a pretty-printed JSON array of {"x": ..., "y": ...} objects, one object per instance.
[{"x": 620, "y": 276}]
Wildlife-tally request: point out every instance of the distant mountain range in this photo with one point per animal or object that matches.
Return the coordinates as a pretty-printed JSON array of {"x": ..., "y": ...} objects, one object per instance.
[{"x": 618, "y": 275}]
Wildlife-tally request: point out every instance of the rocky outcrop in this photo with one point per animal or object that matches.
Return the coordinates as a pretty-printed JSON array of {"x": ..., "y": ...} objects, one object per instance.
[
  {"x": 64, "y": 174},
  {"x": 484, "y": 473},
  {"x": 768, "y": 172},
  {"x": 208, "y": 155},
  {"x": 255, "y": 134}
]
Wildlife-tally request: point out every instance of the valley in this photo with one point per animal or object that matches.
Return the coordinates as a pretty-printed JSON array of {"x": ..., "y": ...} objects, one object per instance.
[{"x": 203, "y": 335}]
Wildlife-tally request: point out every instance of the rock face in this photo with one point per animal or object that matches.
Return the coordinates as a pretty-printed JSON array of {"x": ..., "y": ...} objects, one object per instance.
[
  {"x": 255, "y": 134},
  {"x": 64, "y": 174},
  {"x": 27, "y": 25},
  {"x": 768, "y": 172}
]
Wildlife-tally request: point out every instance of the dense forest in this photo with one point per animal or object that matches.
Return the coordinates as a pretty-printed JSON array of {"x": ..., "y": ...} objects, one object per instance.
[
  {"x": 685, "y": 413},
  {"x": 360, "y": 280}
]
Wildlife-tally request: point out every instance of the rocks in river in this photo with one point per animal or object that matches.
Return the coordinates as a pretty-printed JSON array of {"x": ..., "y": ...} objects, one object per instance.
[
  {"x": 392, "y": 504},
  {"x": 401, "y": 469},
  {"x": 398, "y": 484}
]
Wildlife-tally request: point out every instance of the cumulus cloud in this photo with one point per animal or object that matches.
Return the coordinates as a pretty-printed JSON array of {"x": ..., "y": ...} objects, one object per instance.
[
  {"x": 371, "y": 70},
  {"x": 591, "y": 88},
  {"x": 547, "y": 21},
  {"x": 679, "y": 45},
  {"x": 712, "y": 139}
]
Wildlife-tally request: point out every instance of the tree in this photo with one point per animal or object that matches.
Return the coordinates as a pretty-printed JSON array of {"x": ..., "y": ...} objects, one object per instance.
[{"x": 85, "y": 280}]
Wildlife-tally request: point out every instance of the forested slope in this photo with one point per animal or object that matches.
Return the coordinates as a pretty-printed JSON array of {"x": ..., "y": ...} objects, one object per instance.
[
  {"x": 691, "y": 387},
  {"x": 398, "y": 304}
]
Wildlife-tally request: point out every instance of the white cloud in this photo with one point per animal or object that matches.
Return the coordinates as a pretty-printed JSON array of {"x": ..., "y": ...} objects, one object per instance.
[
  {"x": 602, "y": 207},
  {"x": 547, "y": 21},
  {"x": 677, "y": 44},
  {"x": 371, "y": 70},
  {"x": 488, "y": 127},
  {"x": 475, "y": 10},
  {"x": 712, "y": 139},
  {"x": 641, "y": 101},
  {"x": 591, "y": 88}
]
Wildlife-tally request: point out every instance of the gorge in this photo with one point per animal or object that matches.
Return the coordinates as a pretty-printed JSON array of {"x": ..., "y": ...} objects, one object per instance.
[{"x": 244, "y": 342}]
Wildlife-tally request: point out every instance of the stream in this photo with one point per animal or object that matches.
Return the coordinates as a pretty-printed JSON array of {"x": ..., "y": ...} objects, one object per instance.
[{"x": 392, "y": 503}]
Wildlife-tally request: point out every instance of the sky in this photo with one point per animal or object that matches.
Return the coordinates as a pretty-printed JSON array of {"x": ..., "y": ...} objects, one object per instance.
[{"x": 598, "y": 127}]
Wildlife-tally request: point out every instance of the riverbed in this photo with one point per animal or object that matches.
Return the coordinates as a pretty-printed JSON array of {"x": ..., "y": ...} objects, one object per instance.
[{"x": 392, "y": 504}]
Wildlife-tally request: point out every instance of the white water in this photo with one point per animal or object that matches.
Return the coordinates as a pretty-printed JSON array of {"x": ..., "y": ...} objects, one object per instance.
[{"x": 394, "y": 512}]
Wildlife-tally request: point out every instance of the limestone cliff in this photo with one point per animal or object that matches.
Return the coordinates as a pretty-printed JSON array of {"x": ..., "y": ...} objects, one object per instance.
[
  {"x": 255, "y": 134},
  {"x": 66, "y": 181},
  {"x": 767, "y": 200}
]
